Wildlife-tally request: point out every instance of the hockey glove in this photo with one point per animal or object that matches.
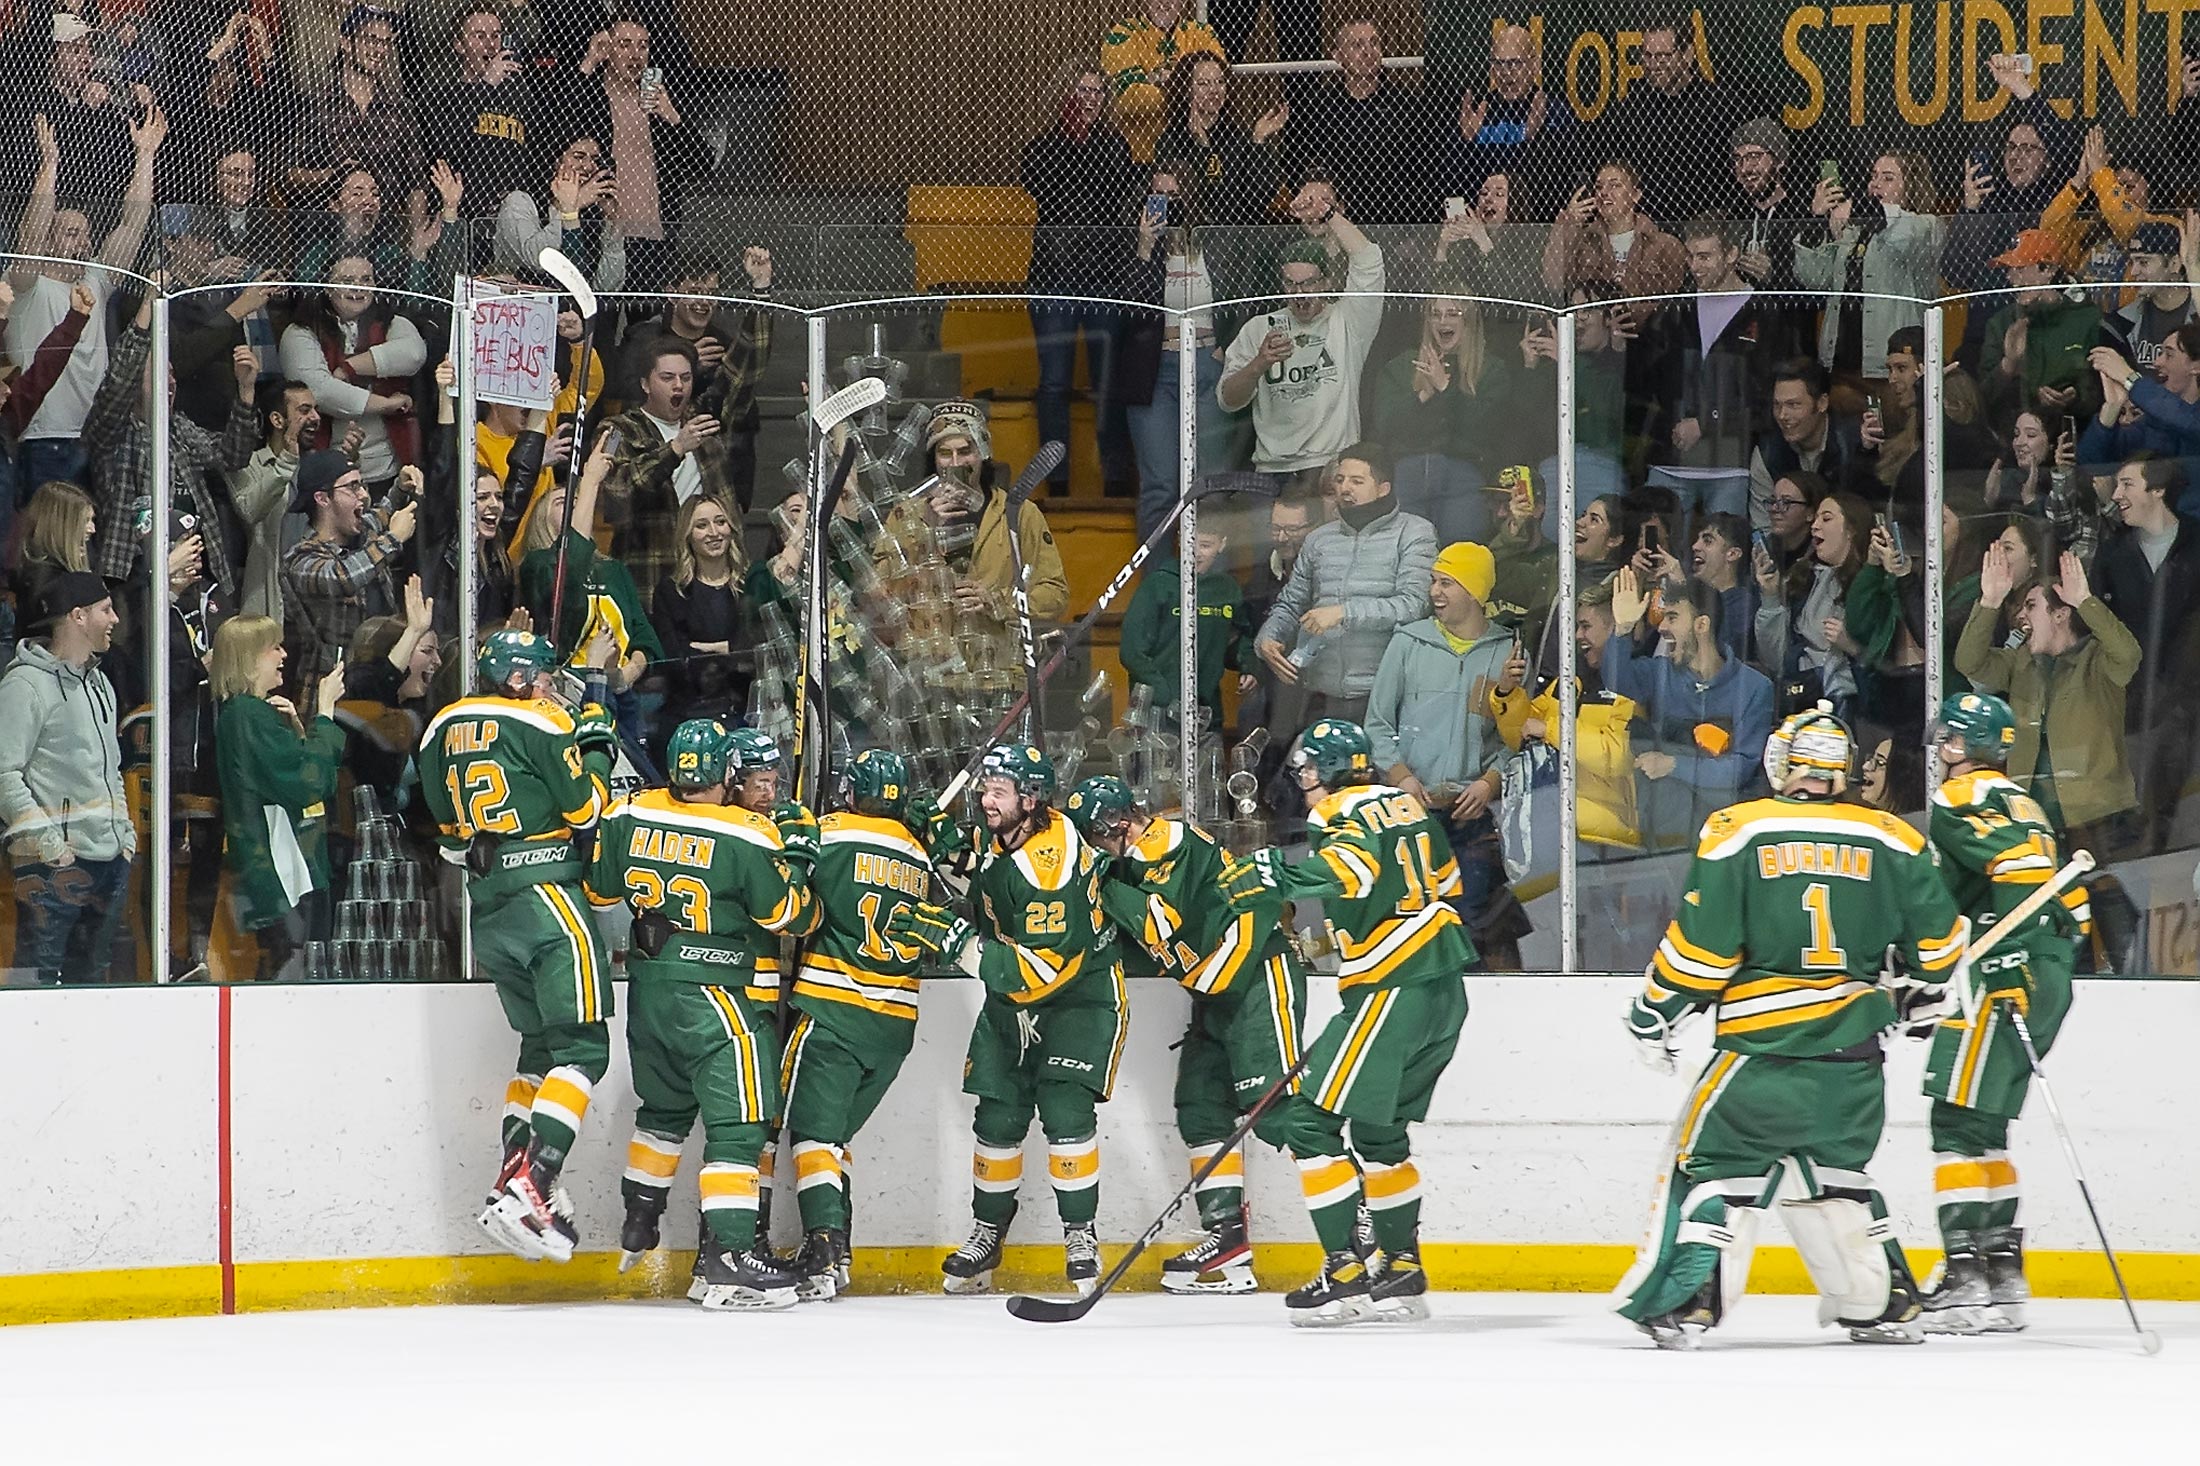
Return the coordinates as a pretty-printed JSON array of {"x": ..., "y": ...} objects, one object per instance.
[
  {"x": 1653, "y": 1037},
  {"x": 1256, "y": 878},
  {"x": 650, "y": 932},
  {"x": 942, "y": 837},
  {"x": 797, "y": 831},
  {"x": 934, "y": 928},
  {"x": 595, "y": 732}
]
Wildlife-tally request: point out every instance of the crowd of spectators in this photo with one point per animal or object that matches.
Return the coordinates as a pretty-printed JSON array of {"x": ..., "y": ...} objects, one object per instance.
[{"x": 1748, "y": 396}]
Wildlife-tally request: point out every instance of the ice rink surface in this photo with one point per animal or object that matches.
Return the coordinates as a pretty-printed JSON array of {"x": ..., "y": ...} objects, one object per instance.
[{"x": 1491, "y": 1377}]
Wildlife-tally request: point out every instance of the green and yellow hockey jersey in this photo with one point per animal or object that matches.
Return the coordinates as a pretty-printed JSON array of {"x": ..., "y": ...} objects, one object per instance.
[
  {"x": 1039, "y": 908},
  {"x": 719, "y": 874},
  {"x": 1790, "y": 908},
  {"x": 1180, "y": 917},
  {"x": 509, "y": 769},
  {"x": 854, "y": 978},
  {"x": 1391, "y": 877},
  {"x": 1997, "y": 846}
]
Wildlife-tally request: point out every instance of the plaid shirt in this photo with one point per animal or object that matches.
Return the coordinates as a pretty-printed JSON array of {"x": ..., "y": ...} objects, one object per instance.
[
  {"x": 326, "y": 588},
  {"x": 2078, "y": 518},
  {"x": 639, "y": 499},
  {"x": 121, "y": 448}
]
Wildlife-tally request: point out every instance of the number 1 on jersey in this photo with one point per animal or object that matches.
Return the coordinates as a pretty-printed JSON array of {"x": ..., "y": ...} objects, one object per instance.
[{"x": 1818, "y": 906}]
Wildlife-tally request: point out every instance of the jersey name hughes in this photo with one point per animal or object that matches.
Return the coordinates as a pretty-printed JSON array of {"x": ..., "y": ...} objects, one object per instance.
[
  {"x": 1396, "y": 812},
  {"x": 670, "y": 847},
  {"x": 464, "y": 736},
  {"x": 895, "y": 875},
  {"x": 1814, "y": 858}
]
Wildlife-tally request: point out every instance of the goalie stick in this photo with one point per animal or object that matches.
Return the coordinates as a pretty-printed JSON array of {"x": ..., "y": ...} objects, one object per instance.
[{"x": 1044, "y": 462}]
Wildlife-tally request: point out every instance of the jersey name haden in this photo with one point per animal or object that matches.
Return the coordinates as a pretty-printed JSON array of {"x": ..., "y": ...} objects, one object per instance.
[
  {"x": 671, "y": 847},
  {"x": 895, "y": 875},
  {"x": 1815, "y": 858},
  {"x": 465, "y": 736}
]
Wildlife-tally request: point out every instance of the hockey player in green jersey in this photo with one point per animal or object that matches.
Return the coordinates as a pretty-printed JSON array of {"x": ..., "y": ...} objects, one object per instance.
[
  {"x": 1050, "y": 1031},
  {"x": 708, "y": 883},
  {"x": 1386, "y": 875},
  {"x": 516, "y": 785},
  {"x": 1164, "y": 892},
  {"x": 1996, "y": 847},
  {"x": 855, "y": 997},
  {"x": 1791, "y": 905}
]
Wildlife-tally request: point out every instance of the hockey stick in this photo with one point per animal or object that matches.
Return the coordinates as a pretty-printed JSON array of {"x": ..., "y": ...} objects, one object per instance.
[
  {"x": 1069, "y": 1310},
  {"x": 2080, "y": 863},
  {"x": 2149, "y": 1340},
  {"x": 568, "y": 275},
  {"x": 1077, "y": 633},
  {"x": 1044, "y": 462},
  {"x": 810, "y": 710}
]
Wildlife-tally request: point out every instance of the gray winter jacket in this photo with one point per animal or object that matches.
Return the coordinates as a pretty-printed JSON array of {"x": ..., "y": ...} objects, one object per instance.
[
  {"x": 1430, "y": 708},
  {"x": 60, "y": 764},
  {"x": 1379, "y": 574}
]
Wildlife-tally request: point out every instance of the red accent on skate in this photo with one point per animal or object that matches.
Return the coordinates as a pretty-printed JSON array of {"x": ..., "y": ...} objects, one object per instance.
[{"x": 222, "y": 1149}]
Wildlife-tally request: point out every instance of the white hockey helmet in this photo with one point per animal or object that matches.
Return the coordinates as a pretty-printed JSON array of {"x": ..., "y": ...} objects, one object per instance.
[{"x": 1812, "y": 744}]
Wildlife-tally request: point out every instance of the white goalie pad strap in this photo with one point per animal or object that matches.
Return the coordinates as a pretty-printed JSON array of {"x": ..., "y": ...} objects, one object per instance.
[
  {"x": 1735, "y": 1237},
  {"x": 1843, "y": 1249}
]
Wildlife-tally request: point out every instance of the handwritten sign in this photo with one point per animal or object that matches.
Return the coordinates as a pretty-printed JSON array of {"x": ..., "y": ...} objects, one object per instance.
[{"x": 515, "y": 345}]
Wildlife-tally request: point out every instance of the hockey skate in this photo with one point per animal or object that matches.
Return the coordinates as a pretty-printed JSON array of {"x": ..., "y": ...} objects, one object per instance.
[
  {"x": 705, "y": 1245},
  {"x": 520, "y": 1217},
  {"x": 2004, "y": 1248},
  {"x": 822, "y": 1265},
  {"x": 1400, "y": 1291},
  {"x": 1684, "y": 1327},
  {"x": 969, "y": 1268},
  {"x": 1220, "y": 1262},
  {"x": 639, "y": 1232},
  {"x": 1900, "y": 1324},
  {"x": 745, "y": 1282},
  {"x": 1337, "y": 1296},
  {"x": 1962, "y": 1303},
  {"x": 1081, "y": 1257}
]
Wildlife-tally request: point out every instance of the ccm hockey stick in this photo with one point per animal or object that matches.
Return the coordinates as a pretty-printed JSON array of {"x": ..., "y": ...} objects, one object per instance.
[
  {"x": 569, "y": 277},
  {"x": 2080, "y": 863},
  {"x": 1069, "y": 1310},
  {"x": 1044, "y": 462},
  {"x": 1077, "y": 634}
]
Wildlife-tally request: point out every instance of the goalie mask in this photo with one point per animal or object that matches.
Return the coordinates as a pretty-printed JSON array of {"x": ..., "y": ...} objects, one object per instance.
[{"x": 1812, "y": 744}]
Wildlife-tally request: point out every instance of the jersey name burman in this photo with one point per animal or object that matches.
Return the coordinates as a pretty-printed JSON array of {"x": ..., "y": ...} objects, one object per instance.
[{"x": 1814, "y": 858}]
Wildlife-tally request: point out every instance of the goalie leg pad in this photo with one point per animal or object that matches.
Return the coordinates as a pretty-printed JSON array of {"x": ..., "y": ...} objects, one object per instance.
[
  {"x": 1845, "y": 1249},
  {"x": 1705, "y": 1246}
]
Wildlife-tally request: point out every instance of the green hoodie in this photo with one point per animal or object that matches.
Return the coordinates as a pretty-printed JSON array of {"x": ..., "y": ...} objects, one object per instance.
[
  {"x": 275, "y": 791},
  {"x": 1150, "y": 635}
]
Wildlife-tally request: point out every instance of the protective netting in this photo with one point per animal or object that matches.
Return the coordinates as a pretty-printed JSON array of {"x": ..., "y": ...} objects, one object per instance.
[
  {"x": 879, "y": 152},
  {"x": 1052, "y": 254}
]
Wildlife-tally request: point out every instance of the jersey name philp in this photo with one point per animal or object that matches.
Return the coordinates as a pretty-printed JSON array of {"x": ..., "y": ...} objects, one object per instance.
[
  {"x": 671, "y": 847},
  {"x": 465, "y": 735},
  {"x": 894, "y": 875},
  {"x": 1814, "y": 858}
]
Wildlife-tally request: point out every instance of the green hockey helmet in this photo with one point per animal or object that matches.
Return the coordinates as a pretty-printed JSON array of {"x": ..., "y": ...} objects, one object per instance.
[
  {"x": 748, "y": 750},
  {"x": 698, "y": 754},
  {"x": 1983, "y": 721},
  {"x": 1101, "y": 807},
  {"x": 1024, "y": 764},
  {"x": 1337, "y": 751},
  {"x": 876, "y": 782},
  {"x": 506, "y": 654},
  {"x": 1811, "y": 744}
]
